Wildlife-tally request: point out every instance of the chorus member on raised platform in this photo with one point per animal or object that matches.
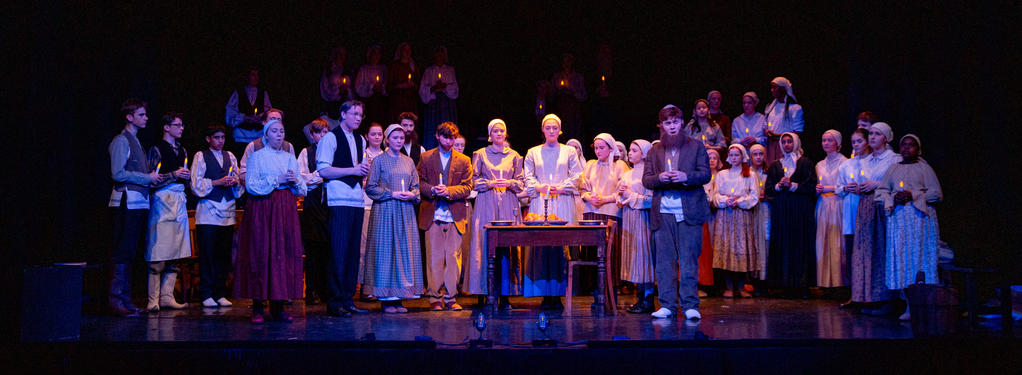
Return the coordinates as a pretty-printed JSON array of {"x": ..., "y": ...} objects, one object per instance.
[
  {"x": 314, "y": 215},
  {"x": 749, "y": 128},
  {"x": 129, "y": 202},
  {"x": 272, "y": 114},
  {"x": 402, "y": 87},
  {"x": 830, "y": 244},
  {"x": 850, "y": 174},
  {"x": 215, "y": 182},
  {"x": 736, "y": 192},
  {"x": 439, "y": 94},
  {"x": 411, "y": 147},
  {"x": 869, "y": 253},
  {"x": 600, "y": 178},
  {"x": 757, "y": 157},
  {"x": 371, "y": 86},
  {"x": 335, "y": 81},
  {"x": 551, "y": 173},
  {"x": 675, "y": 170},
  {"x": 341, "y": 161},
  {"x": 445, "y": 181},
  {"x": 704, "y": 129},
  {"x": 706, "y": 252},
  {"x": 636, "y": 242},
  {"x": 374, "y": 137},
  {"x": 498, "y": 174},
  {"x": 791, "y": 185},
  {"x": 270, "y": 249},
  {"x": 714, "y": 98},
  {"x": 244, "y": 111},
  {"x": 569, "y": 92},
  {"x": 393, "y": 257},
  {"x": 865, "y": 119},
  {"x": 908, "y": 191},
  {"x": 169, "y": 239},
  {"x": 784, "y": 114}
]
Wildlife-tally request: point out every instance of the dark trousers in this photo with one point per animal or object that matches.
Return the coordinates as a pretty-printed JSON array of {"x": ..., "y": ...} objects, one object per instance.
[
  {"x": 215, "y": 243},
  {"x": 345, "y": 227},
  {"x": 678, "y": 245},
  {"x": 129, "y": 229}
]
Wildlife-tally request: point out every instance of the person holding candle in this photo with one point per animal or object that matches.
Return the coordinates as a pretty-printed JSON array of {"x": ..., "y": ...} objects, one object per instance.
[
  {"x": 705, "y": 260},
  {"x": 599, "y": 186},
  {"x": 908, "y": 191},
  {"x": 849, "y": 175},
  {"x": 734, "y": 225},
  {"x": 314, "y": 218},
  {"x": 791, "y": 185},
  {"x": 272, "y": 114},
  {"x": 568, "y": 94},
  {"x": 552, "y": 173},
  {"x": 714, "y": 98},
  {"x": 169, "y": 239},
  {"x": 215, "y": 182},
  {"x": 442, "y": 215},
  {"x": 757, "y": 157},
  {"x": 244, "y": 110},
  {"x": 393, "y": 269},
  {"x": 129, "y": 202},
  {"x": 748, "y": 128},
  {"x": 704, "y": 129},
  {"x": 678, "y": 210},
  {"x": 783, "y": 114},
  {"x": 498, "y": 174},
  {"x": 401, "y": 86},
  {"x": 869, "y": 253},
  {"x": 830, "y": 244},
  {"x": 411, "y": 147},
  {"x": 371, "y": 86},
  {"x": 341, "y": 162},
  {"x": 335, "y": 82},
  {"x": 270, "y": 249},
  {"x": 439, "y": 93},
  {"x": 636, "y": 243},
  {"x": 374, "y": 137}
]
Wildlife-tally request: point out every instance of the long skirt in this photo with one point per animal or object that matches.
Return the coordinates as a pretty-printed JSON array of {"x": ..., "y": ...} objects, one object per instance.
[
  {"x": 168, "y": 225},
  {"x": 734, "y": 240},
  {"x": 830, "y": 243},
  {"x": 393, "y": 260},
  {"x": 912, "y": 238},
  {"x": 792, "y": 260},
  {"x": 269, "y": 259},
  {"x": 706, "y": 256},
  {"x": 636, "y": 246},
  {"x": 869, "y": 254},
  {"x": 762, "y": 214}
]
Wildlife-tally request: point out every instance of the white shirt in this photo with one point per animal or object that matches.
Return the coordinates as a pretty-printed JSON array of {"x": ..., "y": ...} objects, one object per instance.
[
  {"x": 208, "y": 212},
  {"x": 303, "y": 164},
  {"x": 731, "y": 184},
  {"x": 745, "y": 126},
  {"x": 850, "y": 171},
  {"x": 338, "y": 194},
  {"x": 429, "y": 78},
  {"x": 779, "y": 123},
  {"x": 442, "y": 211},
  {"x": 265, "y": 168}
]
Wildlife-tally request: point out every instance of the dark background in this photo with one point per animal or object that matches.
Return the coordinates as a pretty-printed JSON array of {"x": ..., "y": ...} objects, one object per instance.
[{"x": 945, "y": 73}]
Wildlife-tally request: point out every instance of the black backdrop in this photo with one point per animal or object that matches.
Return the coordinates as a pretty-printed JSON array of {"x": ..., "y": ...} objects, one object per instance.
[{"x": 946, "y": 73}]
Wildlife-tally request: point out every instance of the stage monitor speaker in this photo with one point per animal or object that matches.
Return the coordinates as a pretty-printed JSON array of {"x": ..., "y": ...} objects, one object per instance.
[{"x": 52, "y": 303}]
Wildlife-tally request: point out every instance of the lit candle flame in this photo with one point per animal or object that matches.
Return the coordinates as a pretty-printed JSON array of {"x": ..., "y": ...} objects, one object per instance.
[
  {"x": 862, "y": 172},
  {"x": 562, "y": 82},
  {"x": 603, "y": 78},
  {"x": 402, "y": 184},
  {"x": 441, "y": 178},
  {"x": 901, "y": 184},
  {"x": 746, "y": 130},
  {"x": 409, "y": 76},
  {"x": 732, "y": 190},
  {"x": 255, "y": 110},
  {"x": 540, "y": 106},
  {"x": 438, "y": 76},
  {"x": 158, "y": 165},
  {"x": 230, "y": 170},
  {"x": 377, "y": 78},
  {"x": 344, "y": 80},
  {"x": 851, "y": 175},
  {"x": 668, "y": 165},
  {"x": 186, "y": 161}
]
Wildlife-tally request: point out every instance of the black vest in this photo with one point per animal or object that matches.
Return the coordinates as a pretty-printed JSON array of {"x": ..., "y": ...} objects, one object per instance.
[
  {"x": 310, "y": 153},
  {"x": 415, "y": 152},
  {"x": 246, "y": 108},
  {"x": 342, "y": 155},
  {"x": 169, "y": 159},
  {"x": 137, "y": 161},
  {"x": 215, "y": 171}
]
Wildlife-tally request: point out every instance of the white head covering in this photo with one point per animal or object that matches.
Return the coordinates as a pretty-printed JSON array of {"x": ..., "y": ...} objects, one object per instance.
[
  {"x": 267, "y": 126},
  {"x": 644, "y": 146},
  {"x": 745, "y": 154},
  {"x": 837, "y": 136},
  {"x": 786, "y": 84},
  {"x": 796, "y": 151},
  {"x": 489, "y": 127},
  {"x": 551, "y": 117},
  {"x": 754, "y": 148},
  {"x": 752, "y": 94},
  {"x": 883, "y": 128},
  {"x": 610, "y": 142},
  {"x": 391, "y": 129},
  {"x": 620, "y": 146},
  {"x": 578, "y": 147},
  {"x": 918, "y": 142}
]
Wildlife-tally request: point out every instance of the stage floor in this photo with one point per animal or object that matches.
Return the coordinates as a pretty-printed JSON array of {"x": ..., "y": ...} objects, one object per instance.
[{"x": 723, "y": 319}]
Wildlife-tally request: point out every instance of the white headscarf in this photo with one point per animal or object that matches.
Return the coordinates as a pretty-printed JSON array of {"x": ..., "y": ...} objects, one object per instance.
[
  {"x": 644, "y": 146},
  {"x": 786, "y": 84},
  {"x": 610, "y": 143},
  {"x": 551, "y": 117},
  {"x": 745, "y": 154},
  {"x": 578, "y": 147},
  {"x": 796, "y": 151},
  {"x": 837, "y": 137},
  {"x": 391, "y": 129},
  {"x": 620, "y": 146},
  {"x": 883, "y": 128},
  {"x": 489, "y": 127},
  {"x": 918, "y": 142},
  {"x": 752, "y": 94}
]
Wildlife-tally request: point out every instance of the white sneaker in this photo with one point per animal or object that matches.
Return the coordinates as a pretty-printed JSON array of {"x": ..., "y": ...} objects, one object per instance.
[
  {"x": 209, "y": 302},
  {"x": 224, "y": 302},
  {"x": 692, "y": 314},
  {"x": 663, "y": 313}
]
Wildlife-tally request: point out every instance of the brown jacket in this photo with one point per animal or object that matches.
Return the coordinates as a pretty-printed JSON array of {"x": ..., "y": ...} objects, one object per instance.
[
  {"x": 691, "y": 159},
  {"x": 458, "y": 178}
]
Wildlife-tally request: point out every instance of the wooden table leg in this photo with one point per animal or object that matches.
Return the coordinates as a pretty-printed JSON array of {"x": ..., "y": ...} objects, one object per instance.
[
  {"x": 491, "y": 255},
  {"x": 601, "y": 279}
]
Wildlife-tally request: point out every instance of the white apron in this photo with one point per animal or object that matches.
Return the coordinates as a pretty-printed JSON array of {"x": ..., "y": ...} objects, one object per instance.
[{"x": 168, "y": 225}]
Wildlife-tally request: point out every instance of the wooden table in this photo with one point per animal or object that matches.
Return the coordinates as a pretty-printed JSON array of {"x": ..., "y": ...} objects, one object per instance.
[{"x": 547, "y": 235}]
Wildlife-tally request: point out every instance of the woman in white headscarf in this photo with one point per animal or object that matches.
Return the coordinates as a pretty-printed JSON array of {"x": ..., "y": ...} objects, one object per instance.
[
  {"x": 579, "y": 205},
  {"x": 758, "y": 164},
  {"x": 784, "y": 114},
  {"x": 734, "y": 226},
  {"x": 600, "y": 179},
  {"x": 830, "y": 249},
  {"x": 791, "y": 185},
  {"x": 636, "y": 242}
]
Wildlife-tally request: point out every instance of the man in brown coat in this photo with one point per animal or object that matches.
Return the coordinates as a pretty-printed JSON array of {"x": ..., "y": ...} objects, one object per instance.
[{"x": 445, "y": 180}]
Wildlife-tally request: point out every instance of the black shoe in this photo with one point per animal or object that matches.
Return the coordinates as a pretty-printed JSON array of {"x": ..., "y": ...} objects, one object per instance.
[
  {"x": 640, "y": 308},
  {"x": 850, "y": 305},
  {"x": 354, "y": 309},
  {"x": 338, "y": 312}
]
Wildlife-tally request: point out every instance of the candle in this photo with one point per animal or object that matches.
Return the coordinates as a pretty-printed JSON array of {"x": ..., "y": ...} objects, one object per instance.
[
  {"x": 603, "y": 78},
  {"x": 704, "y": 138},
  {"x": 746, "y": 131},
  {"x": 409, "y": 76},
  {"x": 669, "y": 165},
  {"x": 255, "y": 110},
  {"x": 186, "y": 161},
  {"x": 377, "y": 78},
  {"x": 901, "y": 185},
  {"x": 820, "y": 178},
  {"x": 441, "y": 178},
  {"x": 732, "y": 191},
  {"x": 501, "y": 174},
  {"x": 158, "y": 164},
  {"x": 439, "y": 77},
  {"x": 540, "y": 106},
  {"x": 402, "y": 184},
  {"x": 230, "y": 170},
  {"x": 344, "y": 80},
  {"x": 365, "y": 156},
  {"x": 562, "y": 82}
]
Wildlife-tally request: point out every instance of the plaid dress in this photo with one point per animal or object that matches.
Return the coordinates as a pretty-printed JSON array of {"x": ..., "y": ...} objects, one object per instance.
[{"x": 393, "y": 263}]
